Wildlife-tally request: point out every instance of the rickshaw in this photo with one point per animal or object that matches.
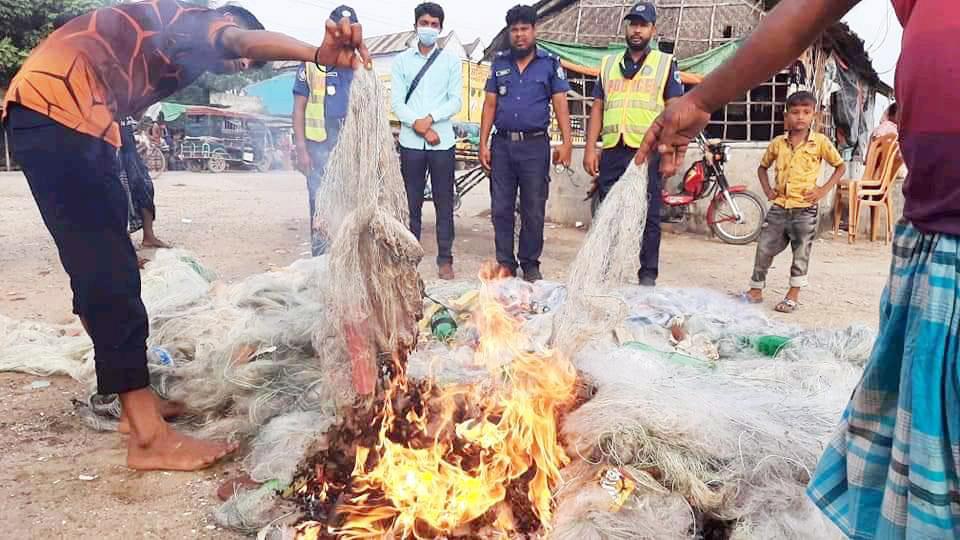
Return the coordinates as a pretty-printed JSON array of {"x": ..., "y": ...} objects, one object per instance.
[{"x": 216, "y": 140}]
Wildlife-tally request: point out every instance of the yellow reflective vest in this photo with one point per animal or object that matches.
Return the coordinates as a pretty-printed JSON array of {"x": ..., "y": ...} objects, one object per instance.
[
  {"x": 631, "y": 105},
  {"x": 316, "y": 123}
]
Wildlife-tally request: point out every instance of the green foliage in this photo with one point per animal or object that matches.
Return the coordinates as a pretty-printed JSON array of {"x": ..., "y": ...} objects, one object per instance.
[{"x": 24, "y": 23}]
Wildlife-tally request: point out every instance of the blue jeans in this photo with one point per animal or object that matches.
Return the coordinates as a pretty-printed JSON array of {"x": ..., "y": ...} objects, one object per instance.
[{"x": 319, "y": 156}]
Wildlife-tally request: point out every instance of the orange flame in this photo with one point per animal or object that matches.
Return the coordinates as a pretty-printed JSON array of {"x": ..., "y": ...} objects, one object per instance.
[{"x": 464, "y": 469}]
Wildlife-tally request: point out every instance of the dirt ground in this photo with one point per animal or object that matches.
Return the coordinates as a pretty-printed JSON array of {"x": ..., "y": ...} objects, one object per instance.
[{"x": 242, "y": 224}]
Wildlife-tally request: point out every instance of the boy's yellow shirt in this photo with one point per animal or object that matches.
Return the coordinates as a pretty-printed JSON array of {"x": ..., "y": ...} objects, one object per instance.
[{"x": 798, "y": 169}]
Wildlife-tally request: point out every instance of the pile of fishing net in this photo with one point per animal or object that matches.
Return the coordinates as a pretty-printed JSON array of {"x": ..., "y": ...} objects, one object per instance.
[{"x": 684, "y": 427}]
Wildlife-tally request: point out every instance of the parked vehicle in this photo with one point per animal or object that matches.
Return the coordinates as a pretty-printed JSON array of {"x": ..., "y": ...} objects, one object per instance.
[
  {"x": 216, "y": 140},
  {"x": 734, "y": 214}
]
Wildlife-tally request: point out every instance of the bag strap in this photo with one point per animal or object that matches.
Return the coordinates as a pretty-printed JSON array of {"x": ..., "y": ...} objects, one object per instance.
[{"x": 423, "y": 71}]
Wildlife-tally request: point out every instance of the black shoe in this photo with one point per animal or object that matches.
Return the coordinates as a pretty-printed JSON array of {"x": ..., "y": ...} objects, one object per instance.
[{"x": 532, "y": 275}]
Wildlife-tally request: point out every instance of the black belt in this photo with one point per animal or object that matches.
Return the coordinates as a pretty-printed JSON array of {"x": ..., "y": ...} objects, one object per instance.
[{"x": 517, "y": 136}]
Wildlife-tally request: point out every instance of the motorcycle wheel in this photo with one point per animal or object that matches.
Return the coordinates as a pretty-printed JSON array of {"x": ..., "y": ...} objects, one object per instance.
[{"x": 720, "y": 216}]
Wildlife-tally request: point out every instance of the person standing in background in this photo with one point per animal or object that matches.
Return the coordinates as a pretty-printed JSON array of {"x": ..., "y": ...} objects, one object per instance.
[
  {"x": 633, "y": 89},
  {"x": 523, "y": 82},
  {"x": 426, "y": 95},
  {"x": 321, "y": 95}
]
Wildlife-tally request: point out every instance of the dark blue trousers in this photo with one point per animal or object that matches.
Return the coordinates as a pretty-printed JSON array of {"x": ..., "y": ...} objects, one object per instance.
[
  {"x": 613, "y": 163},
  {"x": 414, "y": 165},
  {"x": 75, "y": 182},
  {"x": 524, "y": 167}
]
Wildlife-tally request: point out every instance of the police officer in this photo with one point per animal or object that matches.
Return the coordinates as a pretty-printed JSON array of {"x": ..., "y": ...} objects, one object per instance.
[
  {"x": 320, "y": 100},
  {"x": 633, "y": 88},
  {"x": 523, "y": 82}
]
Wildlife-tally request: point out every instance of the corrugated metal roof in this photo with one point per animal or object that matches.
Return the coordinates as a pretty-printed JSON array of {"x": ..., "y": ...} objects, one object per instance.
[
  {"x": 378, "y": 46},
  {"x": 390, "y": 43},
  {"x": 396, "y": 43}
]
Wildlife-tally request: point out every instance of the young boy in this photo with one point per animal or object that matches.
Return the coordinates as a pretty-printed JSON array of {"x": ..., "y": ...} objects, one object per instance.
[{"x": 792, "y": 219}]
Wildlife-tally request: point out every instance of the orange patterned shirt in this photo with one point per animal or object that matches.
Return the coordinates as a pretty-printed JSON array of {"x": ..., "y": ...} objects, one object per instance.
[{"x": 117, "y": 61}]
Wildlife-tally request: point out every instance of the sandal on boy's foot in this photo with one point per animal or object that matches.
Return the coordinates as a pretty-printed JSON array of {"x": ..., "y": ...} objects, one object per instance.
[
  {"x": 747, "y": 299},
  {"x": 787, "y": 306}
]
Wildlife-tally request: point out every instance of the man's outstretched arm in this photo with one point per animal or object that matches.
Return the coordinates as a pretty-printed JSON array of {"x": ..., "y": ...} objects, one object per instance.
[{"x": 341, "y": 45}]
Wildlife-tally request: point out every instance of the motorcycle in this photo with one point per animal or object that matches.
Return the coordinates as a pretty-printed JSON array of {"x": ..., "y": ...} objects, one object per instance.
[{"x": 734, "y": 214}]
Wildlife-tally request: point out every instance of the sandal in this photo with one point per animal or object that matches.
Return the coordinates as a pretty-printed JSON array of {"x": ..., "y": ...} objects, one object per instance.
[{"x": 787, "y": 306}]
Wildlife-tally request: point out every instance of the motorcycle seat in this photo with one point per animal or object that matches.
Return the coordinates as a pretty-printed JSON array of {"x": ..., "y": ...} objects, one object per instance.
[{"x": 678, "y": 200}]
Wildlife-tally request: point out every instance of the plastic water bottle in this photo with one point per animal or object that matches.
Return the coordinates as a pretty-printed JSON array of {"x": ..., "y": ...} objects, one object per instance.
[
  {"x": 443, "y": 325},
  {"x": 160, "y": 356}
]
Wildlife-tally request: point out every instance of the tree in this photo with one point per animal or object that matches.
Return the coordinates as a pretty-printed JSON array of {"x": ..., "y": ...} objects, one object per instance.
[{"x": 24, "y": 23}]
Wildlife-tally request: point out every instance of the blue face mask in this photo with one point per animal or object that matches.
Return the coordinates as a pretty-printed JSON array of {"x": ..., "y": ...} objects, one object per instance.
[{"x": 428, "y": 36}]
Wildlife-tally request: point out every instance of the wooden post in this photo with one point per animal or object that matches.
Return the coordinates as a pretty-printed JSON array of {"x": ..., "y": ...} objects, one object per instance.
[
  {"x": 6, "y": 149},
  {"x": 713, "y": 17},
  {"x": 576, "y": 33},
  {"x": 676, "y": 42}
]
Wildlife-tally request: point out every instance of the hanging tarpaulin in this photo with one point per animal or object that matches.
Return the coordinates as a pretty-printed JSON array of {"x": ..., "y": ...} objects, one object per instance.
[
  {"x": 171, "y": 111},
  {"x": 705, "y": 62},
  {"x": 586, "y": 59}
]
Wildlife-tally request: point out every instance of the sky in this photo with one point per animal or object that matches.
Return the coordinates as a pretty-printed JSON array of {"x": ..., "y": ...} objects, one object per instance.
[{"x": 873, "y": 20}]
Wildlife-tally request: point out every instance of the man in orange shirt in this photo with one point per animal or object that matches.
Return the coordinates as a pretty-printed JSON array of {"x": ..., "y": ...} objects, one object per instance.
[{"x": 61, "y": 113}]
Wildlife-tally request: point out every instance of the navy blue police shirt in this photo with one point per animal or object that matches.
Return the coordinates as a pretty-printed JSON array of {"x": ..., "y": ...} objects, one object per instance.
[
  {"x": 335, "y": 105},
  {"x": 523, "y": 99}
]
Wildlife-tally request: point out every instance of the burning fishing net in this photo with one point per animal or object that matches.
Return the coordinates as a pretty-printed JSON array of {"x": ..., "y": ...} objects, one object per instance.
[{"x": 578, "y": 411}]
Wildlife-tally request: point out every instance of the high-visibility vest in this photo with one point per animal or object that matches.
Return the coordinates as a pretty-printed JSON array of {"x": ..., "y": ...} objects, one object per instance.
[
  {"x": 631, "y": 105},
  {"x": 316, "y": 122}
]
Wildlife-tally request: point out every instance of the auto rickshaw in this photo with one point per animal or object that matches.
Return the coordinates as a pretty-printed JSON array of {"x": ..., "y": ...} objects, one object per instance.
[{"x": 217, "y": 140}]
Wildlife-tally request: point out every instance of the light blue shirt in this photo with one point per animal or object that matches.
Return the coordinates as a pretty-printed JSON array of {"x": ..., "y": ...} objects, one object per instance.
[{"x": 438, "y": 94}]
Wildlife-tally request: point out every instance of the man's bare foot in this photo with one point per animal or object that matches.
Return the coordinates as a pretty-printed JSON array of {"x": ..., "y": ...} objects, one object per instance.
[
  {"x": 169, "y": 450},
  {"x": 154, "y": 243},
  {"x": 168, "y": 410}
]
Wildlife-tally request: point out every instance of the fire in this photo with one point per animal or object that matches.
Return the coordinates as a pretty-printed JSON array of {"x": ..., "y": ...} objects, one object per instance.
[{"x": 464, "y": 447}]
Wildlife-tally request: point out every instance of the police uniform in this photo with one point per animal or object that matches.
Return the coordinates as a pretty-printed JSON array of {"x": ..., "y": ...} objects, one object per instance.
[
  {"x": 520, "y": 152},
  {"x": 634, "y": 94},
  {"x": 327, "y": 90}
]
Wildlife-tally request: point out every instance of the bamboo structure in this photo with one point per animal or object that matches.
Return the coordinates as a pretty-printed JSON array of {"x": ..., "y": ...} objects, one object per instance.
[{"x": 694, "y": 26}]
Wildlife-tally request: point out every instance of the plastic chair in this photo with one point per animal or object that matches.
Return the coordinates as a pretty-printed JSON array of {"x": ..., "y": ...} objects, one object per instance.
[
  {"x": 879, "y": 197},
  {"x": 879, "y": 149}
]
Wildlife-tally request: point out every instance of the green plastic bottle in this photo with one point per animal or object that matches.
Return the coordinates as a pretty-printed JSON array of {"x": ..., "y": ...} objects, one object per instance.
[
  {"x": 766, "y": 345},
  {"x": 443, "y": 325}
]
